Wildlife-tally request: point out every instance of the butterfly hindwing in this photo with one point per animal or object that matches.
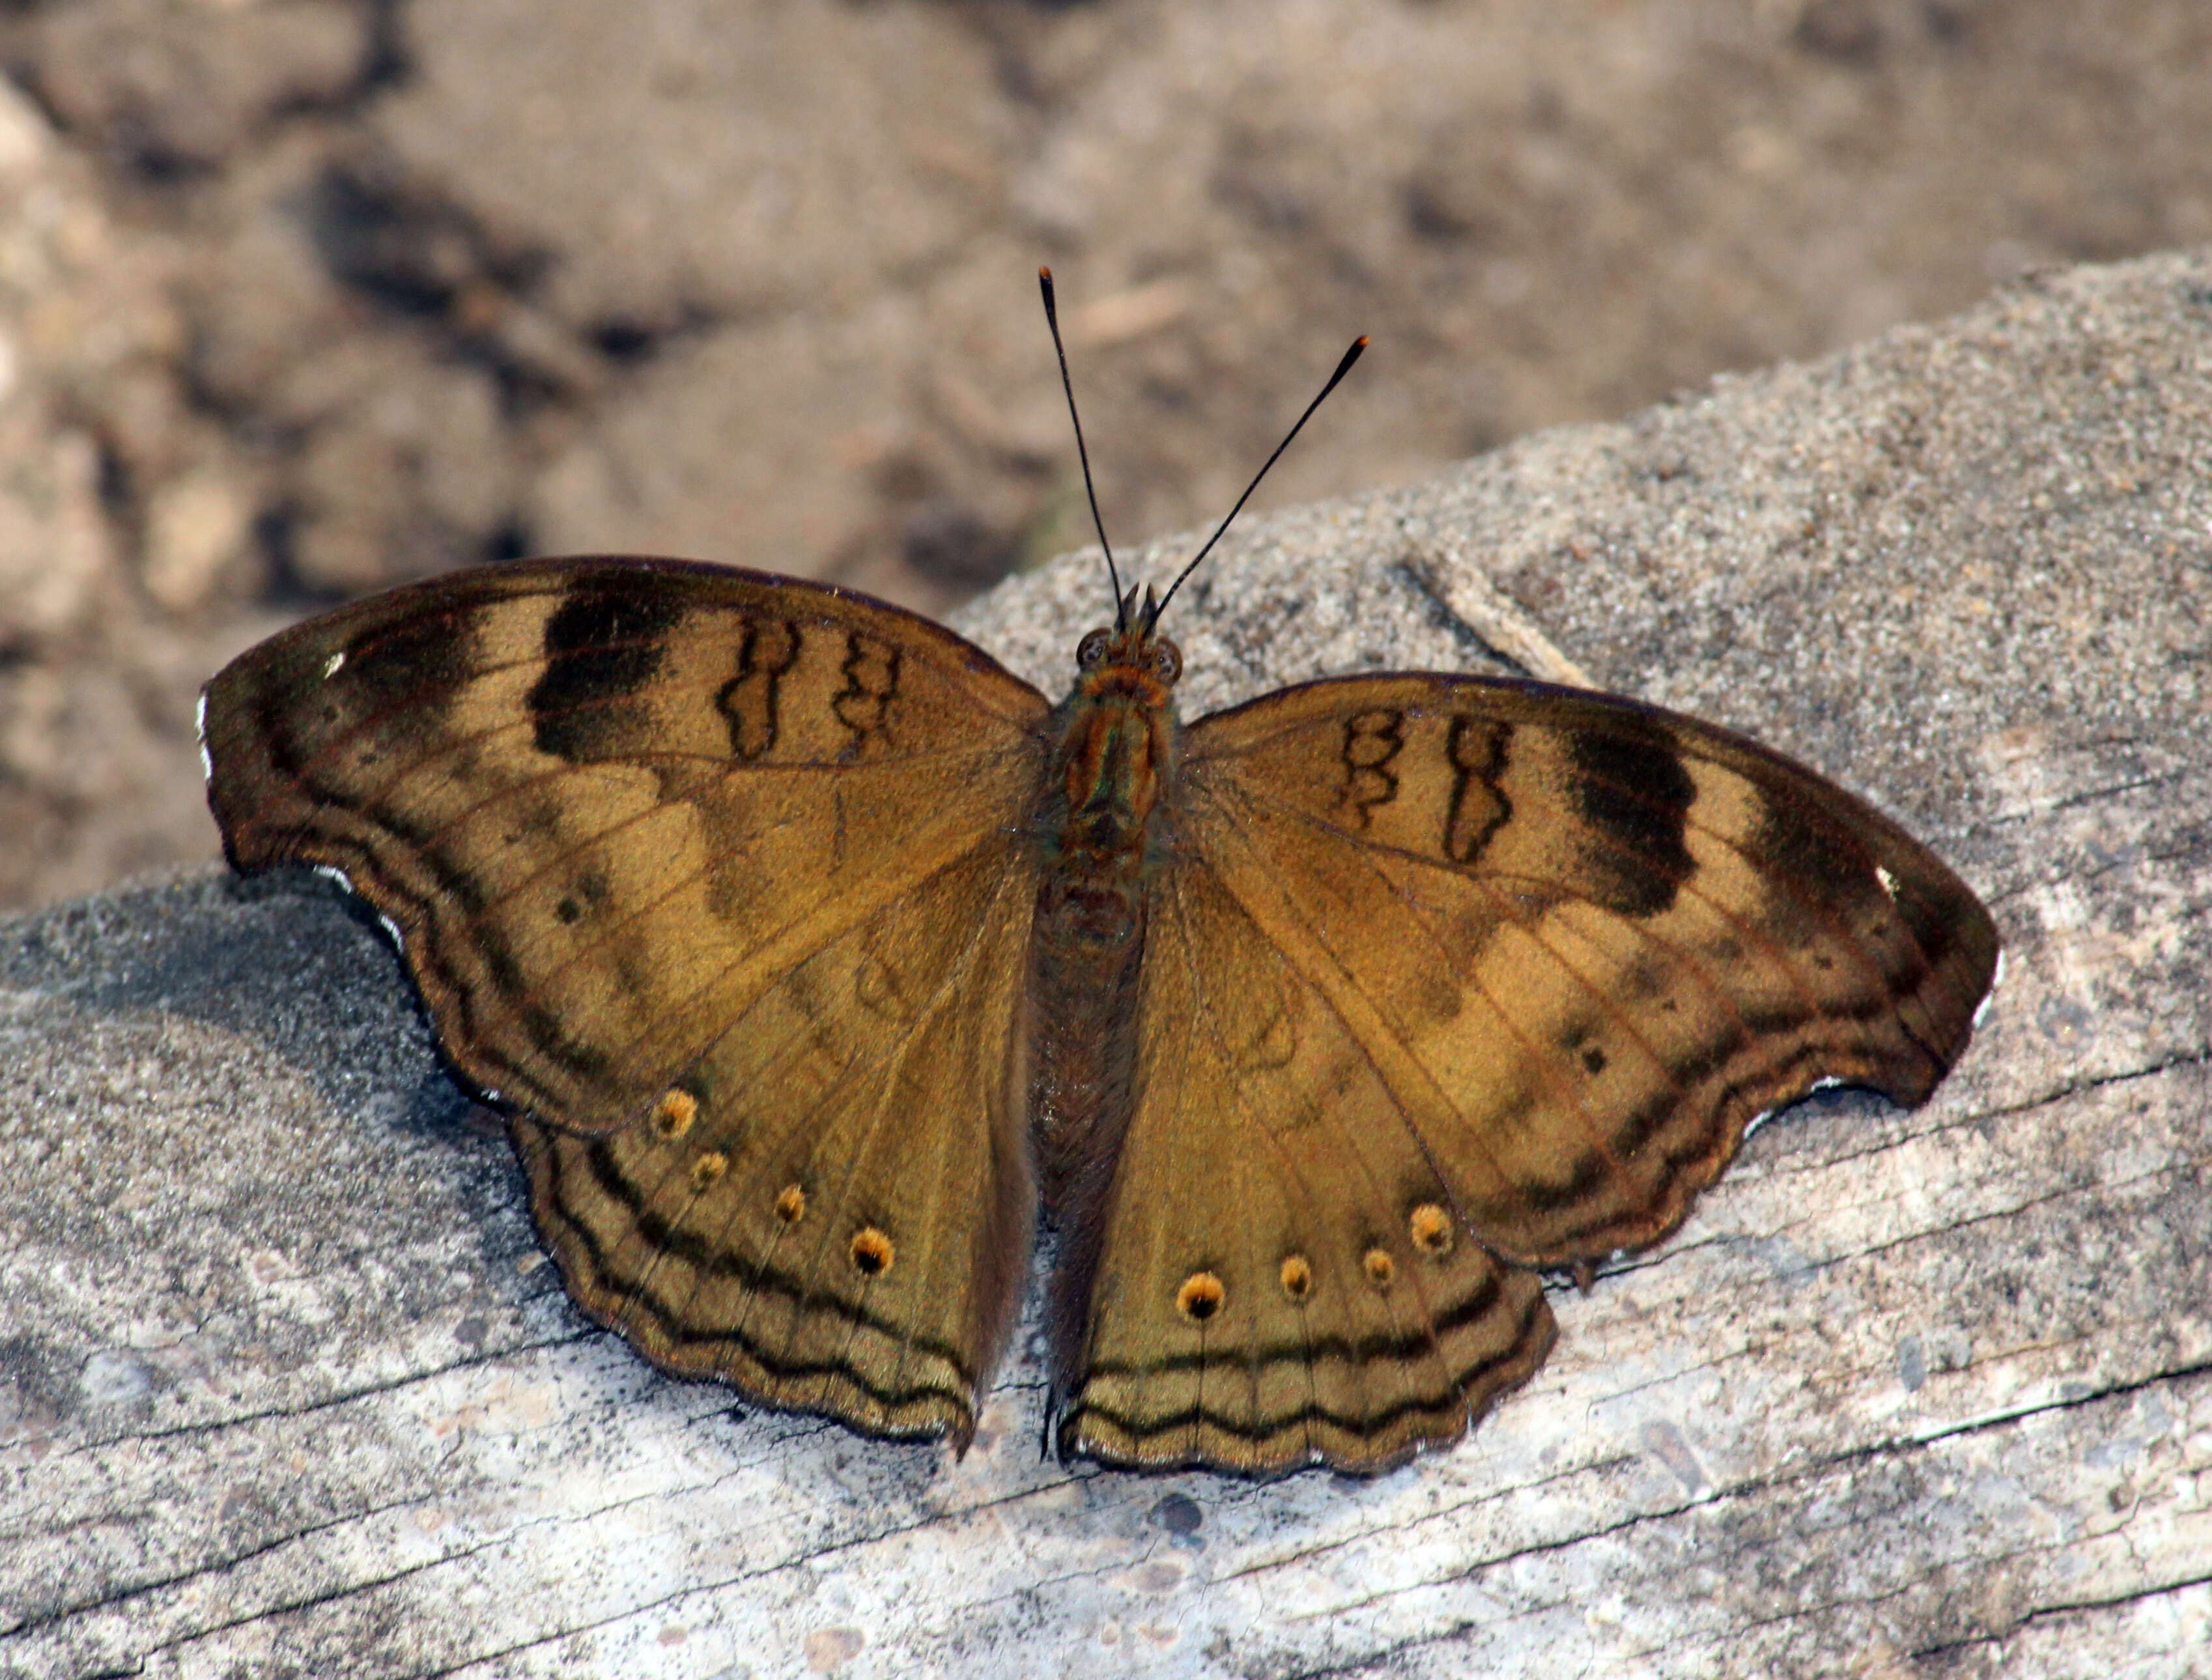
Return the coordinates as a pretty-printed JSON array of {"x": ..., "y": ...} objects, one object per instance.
[
  {"x": 831, "y": 1210},
  {"x": 1279, "y": 1276}
]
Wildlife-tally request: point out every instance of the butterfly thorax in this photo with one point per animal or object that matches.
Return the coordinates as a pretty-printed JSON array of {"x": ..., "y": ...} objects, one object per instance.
[
  {"x": 1119, "y": 725},
  {"x": 1114, "y": 758}
]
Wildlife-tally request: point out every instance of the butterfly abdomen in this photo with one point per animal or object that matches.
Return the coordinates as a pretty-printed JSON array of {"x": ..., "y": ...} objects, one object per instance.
[
  {"x": 1087, "y": 953},
  {"x": 1088, "y": 937}
]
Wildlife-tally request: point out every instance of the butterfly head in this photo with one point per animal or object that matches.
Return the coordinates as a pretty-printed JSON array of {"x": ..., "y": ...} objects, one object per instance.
[{"x": 1130, "y": 659}]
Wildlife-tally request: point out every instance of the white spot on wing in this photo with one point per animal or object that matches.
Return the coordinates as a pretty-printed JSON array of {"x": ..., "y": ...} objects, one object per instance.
[
  {"x": 332, "y": 872},
  {"x": 1889, "y": 882},
  {"x": 332, "y": 665},
  {"x": 199, "y": 729},
  {"x": 1982, "y": 1009},
  {"x": 1826, "y": 1083}
]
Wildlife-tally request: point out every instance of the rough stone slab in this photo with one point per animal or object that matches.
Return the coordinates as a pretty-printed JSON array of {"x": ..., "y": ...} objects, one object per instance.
[{"x": 285, "y": 1386}]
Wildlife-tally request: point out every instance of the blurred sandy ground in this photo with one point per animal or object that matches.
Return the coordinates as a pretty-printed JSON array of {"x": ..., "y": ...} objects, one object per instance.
[{"x": 302, "y": 297}]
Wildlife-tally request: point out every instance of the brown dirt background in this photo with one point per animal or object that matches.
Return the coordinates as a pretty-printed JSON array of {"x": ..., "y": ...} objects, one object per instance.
[{"x": 299, "y": 298}]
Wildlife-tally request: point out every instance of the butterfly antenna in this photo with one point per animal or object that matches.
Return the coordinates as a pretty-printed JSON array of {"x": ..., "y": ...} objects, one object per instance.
[
  {"x": 1343, "y": 367},
  {"x": 1052, "y": 320}
]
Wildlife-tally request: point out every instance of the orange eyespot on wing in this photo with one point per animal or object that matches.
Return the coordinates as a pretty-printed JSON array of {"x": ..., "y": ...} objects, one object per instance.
[
  {"x": 1200, "y": 1297},
  {"x": 1431, "y": 1227},
  {"x": 673, "y": 1115},
  {"x": 872, "y": 1252}
]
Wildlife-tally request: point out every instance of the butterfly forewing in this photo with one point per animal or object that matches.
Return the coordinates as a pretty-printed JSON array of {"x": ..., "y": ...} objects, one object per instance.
[
  {"x": 1584, "y": 944},
  {"x": 604, "y": 805}
]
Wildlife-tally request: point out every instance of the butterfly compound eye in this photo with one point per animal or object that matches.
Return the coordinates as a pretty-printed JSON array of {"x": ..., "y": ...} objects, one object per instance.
[
  {"x": 1091, "y": 649},
  {"x": 1167, "y": 660}
]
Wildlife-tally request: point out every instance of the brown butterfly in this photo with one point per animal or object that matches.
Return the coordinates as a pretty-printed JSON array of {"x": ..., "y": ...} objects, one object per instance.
[{"x": 811, "y": 954}]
